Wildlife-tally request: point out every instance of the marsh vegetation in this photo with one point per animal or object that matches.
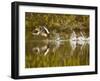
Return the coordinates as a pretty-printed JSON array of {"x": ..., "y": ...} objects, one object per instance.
[{"x": 53, "y": 40}]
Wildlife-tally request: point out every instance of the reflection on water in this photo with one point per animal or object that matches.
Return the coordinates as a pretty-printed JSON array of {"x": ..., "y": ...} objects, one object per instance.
[{"x": 56, "y": 53}]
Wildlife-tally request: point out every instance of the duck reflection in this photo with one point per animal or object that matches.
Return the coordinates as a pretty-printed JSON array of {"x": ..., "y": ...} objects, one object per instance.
[
  {"x": 49, "y": 53},
  {"x": 50, "y": 46},
  {"x": 46, "y": 47}
]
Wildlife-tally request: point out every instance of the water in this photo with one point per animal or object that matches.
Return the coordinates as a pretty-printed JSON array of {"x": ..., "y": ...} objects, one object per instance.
[
  {"x": 56, "y": 40},
  {"x": 56, "y": 53}
]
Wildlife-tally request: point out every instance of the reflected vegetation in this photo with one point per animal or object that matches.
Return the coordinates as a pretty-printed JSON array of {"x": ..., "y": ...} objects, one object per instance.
[
  {"x": 56, "y": 53},
  {"x": 56, "y": 40}
]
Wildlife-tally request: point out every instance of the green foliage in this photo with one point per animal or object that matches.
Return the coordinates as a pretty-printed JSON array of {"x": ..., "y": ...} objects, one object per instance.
[
  {"x": 53, "y": 21},
  {"x": 58, "y": 25},
  {"x": 63, "y": 56}
]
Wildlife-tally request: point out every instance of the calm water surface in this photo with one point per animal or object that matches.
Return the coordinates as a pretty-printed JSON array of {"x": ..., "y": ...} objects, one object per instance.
[{"x": 50, "y": 53}]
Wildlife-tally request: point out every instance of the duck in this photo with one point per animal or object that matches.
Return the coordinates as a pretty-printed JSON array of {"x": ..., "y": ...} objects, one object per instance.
[
  {"x": 43, "y": 31},
  {"x": 81, "y": 38},
  {"x": 73, "y": 36},
  {"x": 36, "y": 31}
]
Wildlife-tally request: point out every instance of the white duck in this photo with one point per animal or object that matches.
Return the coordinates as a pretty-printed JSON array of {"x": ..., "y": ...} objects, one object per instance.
[
  {"x": 73, "y": 36},
  {"x": 81, "y": 38}
]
